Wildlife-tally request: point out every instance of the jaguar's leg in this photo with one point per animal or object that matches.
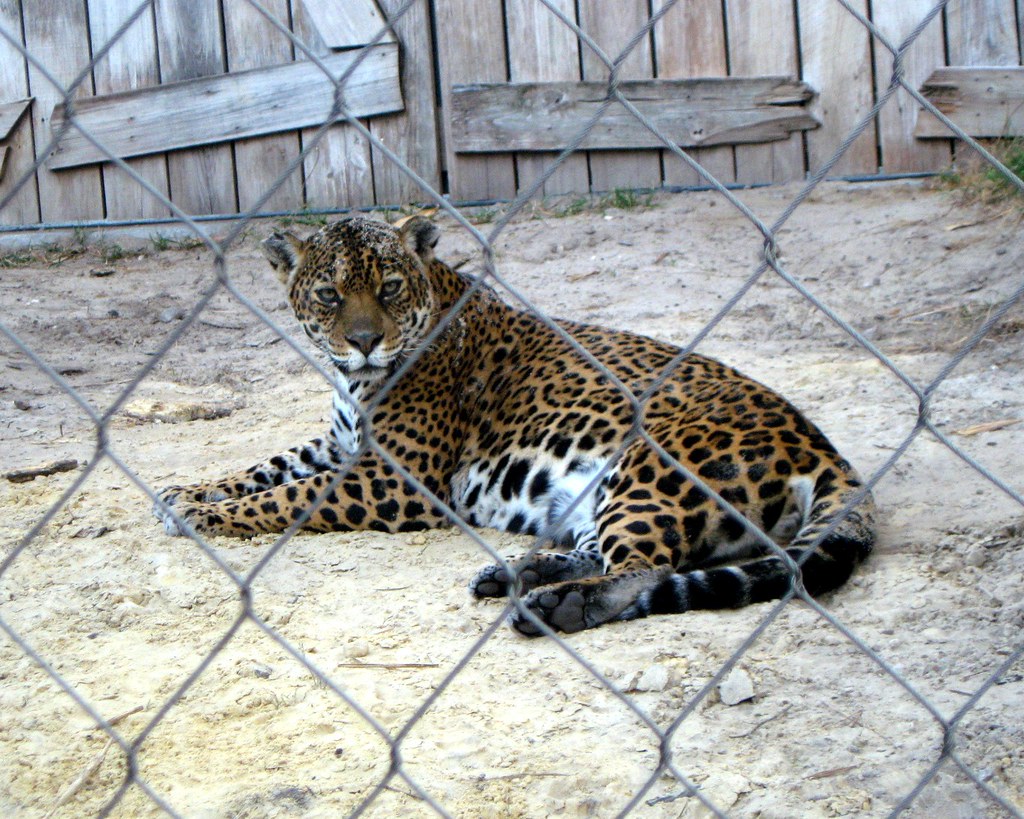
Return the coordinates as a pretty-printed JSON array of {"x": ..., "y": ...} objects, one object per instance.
[
  {"x": 541, "y": 569},
  {"x": 319, "y": 455},
  {"x": 370, "y": 496}
]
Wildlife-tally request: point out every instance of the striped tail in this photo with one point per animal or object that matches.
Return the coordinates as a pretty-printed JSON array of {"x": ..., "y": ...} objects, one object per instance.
[{"x": 826, "y": 563}]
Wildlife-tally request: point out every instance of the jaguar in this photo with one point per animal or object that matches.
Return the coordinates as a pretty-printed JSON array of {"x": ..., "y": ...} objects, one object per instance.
[{"x": 657, "y": 481}]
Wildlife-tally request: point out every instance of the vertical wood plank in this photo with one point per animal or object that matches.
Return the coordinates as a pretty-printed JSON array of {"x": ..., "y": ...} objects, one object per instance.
[
  {"x": 57, "y": 35},
  {"x": 23, "y": 209},
  {"x": 612, "y": 26},
  {"x": 762, "y": 40},
  {"x": 837, "y": 63},
  {"x": 982, "y": 32},
  {"x": 253, "y": 42},
  {"x": 689, "y": 42},
  {"x": 338, "y": 170},
  {"x": 202, "y": 180},
  {"x": 459, "y": 23},
  {"x": 542, "y": 48},
  {"x": 896, "y": 121},
  {"x": 411, "y": 135},
  {"x": 131, "y": 63}
]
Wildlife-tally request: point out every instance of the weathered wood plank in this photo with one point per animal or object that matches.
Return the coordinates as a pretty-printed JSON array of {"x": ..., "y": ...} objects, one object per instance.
[
  {"x": 543, "y": 49},
  {"x": 189, "y": 35},
  {"x": 254, "y": 42},
  {"x": 57, "y": 33},
  {"x": 984, "y": 102},
  {"x": 612, "y": 26},
  {"x": 751, "y": 26},
  {"x": 347, "y": 24},
  {"x": 338, "y": 167},
  {"x": 10, "y": 113},
  {"x": 229, "y": 106},
  {"x": 472, "y": 178},
  {"x": 836, "y": 62},
  {"x": 982, "y": 33},
  {"x": 130, "y": 63},
  {"x": 412, "y": 136},
  {"x": 690, "y": 42},
  {"x": 23, "y": 207},
  {"x": 693, "y": 113},
  {"x": 896, "y": 122}
]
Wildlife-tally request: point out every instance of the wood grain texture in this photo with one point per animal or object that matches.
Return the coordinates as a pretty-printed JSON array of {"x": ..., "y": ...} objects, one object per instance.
[
  {"x": 472, "y": 178},
  {"x": 56, "y": 33},
  {"x": 543, "y": 49},
  {"x": 901, "y": 152},
  {"x": 189, "y": 36},
  {"x": 689, "y": 43},
  {"x": 130, "y": 63},
  {"x": 229, "y": 106},
  {"x": 612, "y": 26},
  {"x": 23, "y": 205},
  {"x": 982, "y": 33},
  {"x": 337, "y": 169},
  {"x": 413, "y": 135},
  {"x": 10, "y": 114},
  {"x": 254, "y": 42},
  {"x": 762, "y": 40},
  {"x": 984, "y": 102},
  {"x": 836, "y": 63},
  {"x": 692, "y": 113},
  {"x": 347, "y": 24}
]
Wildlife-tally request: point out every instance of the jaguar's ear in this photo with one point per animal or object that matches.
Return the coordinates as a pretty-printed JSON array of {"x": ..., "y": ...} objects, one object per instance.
[
  {"x": 419, "y": 236},
  {"x": 285, "y": 252}
]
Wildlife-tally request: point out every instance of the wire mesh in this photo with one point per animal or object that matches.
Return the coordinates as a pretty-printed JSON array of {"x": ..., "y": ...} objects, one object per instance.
[{"x": 394, "y": 740}]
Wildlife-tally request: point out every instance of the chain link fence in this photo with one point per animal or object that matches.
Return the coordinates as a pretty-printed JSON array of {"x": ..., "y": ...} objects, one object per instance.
[{"x": 395, "y": 771}]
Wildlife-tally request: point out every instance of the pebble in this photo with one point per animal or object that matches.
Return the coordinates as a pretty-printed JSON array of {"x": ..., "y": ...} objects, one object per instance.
[
  {"x": 655, "y": 678},
  {"x": 360, "y": 648},
  {"x": 737, "y": 687},
  {"x": 169, "y": 314}
]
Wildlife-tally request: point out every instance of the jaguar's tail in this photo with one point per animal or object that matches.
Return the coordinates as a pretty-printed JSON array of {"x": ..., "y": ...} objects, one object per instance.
[{"x": 826, "y": 562}]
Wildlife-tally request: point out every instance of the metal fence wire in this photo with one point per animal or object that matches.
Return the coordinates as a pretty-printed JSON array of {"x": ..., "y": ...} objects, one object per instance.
[{"x": 668, "y": 764}]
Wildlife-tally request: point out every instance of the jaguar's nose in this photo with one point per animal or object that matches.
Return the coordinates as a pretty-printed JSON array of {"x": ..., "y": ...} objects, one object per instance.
[{"x": 364, "y": 340}]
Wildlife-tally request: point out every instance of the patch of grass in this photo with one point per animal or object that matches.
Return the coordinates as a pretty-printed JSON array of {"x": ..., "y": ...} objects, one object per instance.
[
  {"x": 111, "y": 252},
  {"x": 51, "y": 255},
  {"x": 305, "y": 218},
  {"x": 625, "y": 199},
  {"x": 978, "y": 181},
  {"x": 161, "y": 242}
]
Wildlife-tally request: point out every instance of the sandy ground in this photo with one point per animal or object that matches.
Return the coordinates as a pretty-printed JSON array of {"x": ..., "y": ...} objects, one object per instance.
[{"x": 125, "y": 613}]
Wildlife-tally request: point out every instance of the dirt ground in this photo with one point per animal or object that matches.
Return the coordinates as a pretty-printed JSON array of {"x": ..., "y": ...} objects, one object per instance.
[{"x": 125, "y": 614}]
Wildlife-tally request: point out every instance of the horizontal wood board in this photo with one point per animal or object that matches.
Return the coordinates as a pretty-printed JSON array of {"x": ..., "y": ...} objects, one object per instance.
[
  {"x": 228, "y": 106},
  {"x": 983, "y": 102},
  {"x": 692, "y": 113}
]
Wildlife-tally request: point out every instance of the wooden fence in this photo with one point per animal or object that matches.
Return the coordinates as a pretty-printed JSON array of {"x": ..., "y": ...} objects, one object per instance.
[{"x": 210, "y": 102}]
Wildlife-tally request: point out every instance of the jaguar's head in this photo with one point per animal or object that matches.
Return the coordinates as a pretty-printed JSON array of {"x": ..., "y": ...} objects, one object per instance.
[{"x": 361, "y": 290}]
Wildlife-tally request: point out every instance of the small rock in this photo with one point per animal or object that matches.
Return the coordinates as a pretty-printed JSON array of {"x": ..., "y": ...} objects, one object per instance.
[
  {"x": 417, "y": 540},
  {"x": 169, "y": 314},
  {"x": 976, "y": 556},
  {"x": 737, "y": 687},
  {"x": 360, "y": 648},
  {"x": 655, "y": 678}
]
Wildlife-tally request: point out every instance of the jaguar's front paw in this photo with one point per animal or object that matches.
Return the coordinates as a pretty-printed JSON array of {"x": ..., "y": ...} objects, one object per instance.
[
  {"x": 563, "y": 607},
  {"x": 184, "y": 501},
  {"x": 493, "y": 581}
]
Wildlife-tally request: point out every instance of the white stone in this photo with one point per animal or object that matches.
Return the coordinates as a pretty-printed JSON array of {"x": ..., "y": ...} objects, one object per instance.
[{"x": 737, "y": 687}]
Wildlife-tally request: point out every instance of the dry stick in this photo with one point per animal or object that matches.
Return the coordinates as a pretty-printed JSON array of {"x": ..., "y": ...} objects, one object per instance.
[
  {"x": 81, "y": 779},
  {"x": 25, "y": 475},
  {"x": 93, "y": 766},
  {"x": 762, "y": 722},
  {"x": 388, "y": 665}
]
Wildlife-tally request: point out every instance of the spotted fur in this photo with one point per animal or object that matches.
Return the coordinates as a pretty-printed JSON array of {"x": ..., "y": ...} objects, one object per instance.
[{"x": 503, "y": 421}]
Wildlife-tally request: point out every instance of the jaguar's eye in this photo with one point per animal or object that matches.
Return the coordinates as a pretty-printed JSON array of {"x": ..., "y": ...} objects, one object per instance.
[
  {"x": 327, "y": 296},
  {"x": 390, "y": 288}
]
